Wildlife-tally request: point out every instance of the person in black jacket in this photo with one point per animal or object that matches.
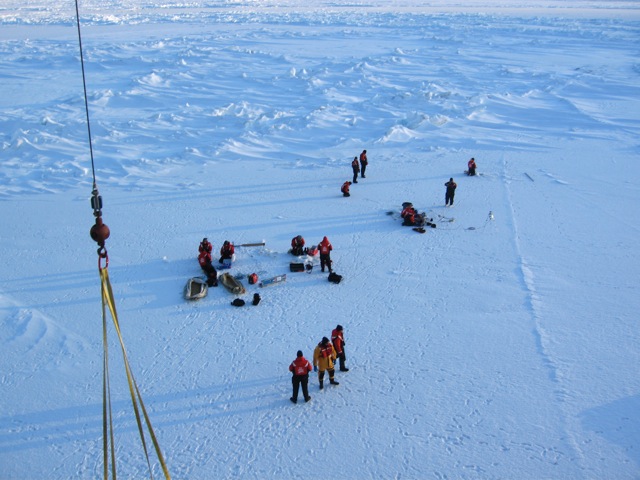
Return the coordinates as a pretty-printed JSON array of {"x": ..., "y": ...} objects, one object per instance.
[
  {"x": 355, "y": 165},
  {"x": 450, "y": 193}
]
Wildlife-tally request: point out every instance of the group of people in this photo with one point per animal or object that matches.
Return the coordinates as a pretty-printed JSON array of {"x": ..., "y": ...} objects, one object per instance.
[
  {"x": 227, "y": 255},
  {"x": 325, "y": 356},
  {"x": 450, "y": 193},
  {"x": 359, "y": 166},
  {"x": 324, "y": 248}
]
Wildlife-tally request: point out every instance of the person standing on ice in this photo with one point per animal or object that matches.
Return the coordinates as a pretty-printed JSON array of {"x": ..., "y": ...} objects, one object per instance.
[
  {"x": 337, "y": 338},
  {"x": 325, "y": 248},
  {"x": 297, "y": 245},
  {"x": 300, "y": 368},
  {"x": 363, "y": 162},
  {"x": 471, "y": 167},
  {"x": 323, "y": 358},
  {"x": 356, "y": 169},
  {"x": 450, "y": 193},
  {"x": 345, "y": 189}
]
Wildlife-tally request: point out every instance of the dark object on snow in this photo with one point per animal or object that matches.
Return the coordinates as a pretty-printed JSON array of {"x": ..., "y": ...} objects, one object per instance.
[
  {"x": 309, "y": 267},
  {"x": 296, "y": 267},
  {"x": 253, "y": 279},
  {"x": 238, "y": 302},
  {"x": 256, "y": 298},
  {"x": 335, "y": 278}
]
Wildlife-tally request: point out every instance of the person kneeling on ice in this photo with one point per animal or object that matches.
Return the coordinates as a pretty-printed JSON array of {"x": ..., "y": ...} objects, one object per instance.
[
  {"x": 345, "y": 189},
  {"x": 204, "y": 259},
  {"x": 297, "y": 245},
  {"x": 323, "y": 357},
  {"x": 410, "y": 217},
  {"x": 471, "y": 165},
  {"x": 227, "y": 252},
  {"x": 300, "y": 368}
]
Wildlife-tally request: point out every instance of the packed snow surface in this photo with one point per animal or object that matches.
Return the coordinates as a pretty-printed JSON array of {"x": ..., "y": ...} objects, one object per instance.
[{"x": 501, "y": 344}]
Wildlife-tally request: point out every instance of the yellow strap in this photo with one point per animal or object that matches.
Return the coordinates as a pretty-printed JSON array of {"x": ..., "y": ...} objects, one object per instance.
[{"x": 136, "y": 397}]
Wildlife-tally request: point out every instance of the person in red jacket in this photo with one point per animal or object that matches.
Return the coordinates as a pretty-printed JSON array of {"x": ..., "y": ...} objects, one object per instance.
[
  {"x": 297, "y": 245},
  {"x": 408, "y": 214},
  {"x": 204, "y": 259},
  {"x": 337, "y": 338},
  {"x": 356, "y": 169},
  {"x": 345, "y": 189},
  {"x": 471, "y": 165},
  {"x": 227, "y": 252},
  {"x": 364, "y": 161},
  {"x": 325, "y": 248},
  {"x": 205, "y": 246},
  {"x": 300, "y": 368}
]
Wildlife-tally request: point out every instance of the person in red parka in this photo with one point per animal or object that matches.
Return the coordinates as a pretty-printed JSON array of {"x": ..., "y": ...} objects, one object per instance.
[
  {"x": 300, "y": 368},
  {"x": 337, "y": 338},
  {"x": 345, "y": 189},
  {"x": 471, "y": 165},
  {"x": 227, "y": 251},
  {"x": 204, "y": 259},
  {"x": 325, "y": 248},
  {"x": 205, "y": 246},
  {"x": 297, "y": 245},
  {"x": 364, "y": 161},
  {"x": 408, "y": 215}
]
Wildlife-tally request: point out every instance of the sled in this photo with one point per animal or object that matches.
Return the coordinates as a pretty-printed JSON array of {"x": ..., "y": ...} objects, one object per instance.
[
  {"x": 274, "y": 280},
  {"x": 232, "y": 284},
  {"x": 196, "y": 288}
]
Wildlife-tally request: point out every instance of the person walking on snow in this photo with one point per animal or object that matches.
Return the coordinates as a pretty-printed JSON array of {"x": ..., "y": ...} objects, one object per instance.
[
  {"x": 356, "y": 169},
  {"x": 300, "y": 368},
  {"x": 471, "y": 166},
  {"x": 363, "y": 162},
  {"x": 337, "y": 338},
  {"x": 345, "y": 189},
  {"x": 325, "y": 248},
  {"x": 324, "y": 357},
  {"x": 450, "y": 193}
]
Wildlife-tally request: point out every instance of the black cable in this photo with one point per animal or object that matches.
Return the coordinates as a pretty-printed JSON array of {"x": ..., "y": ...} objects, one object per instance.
[{"x": 86, "y": 102}]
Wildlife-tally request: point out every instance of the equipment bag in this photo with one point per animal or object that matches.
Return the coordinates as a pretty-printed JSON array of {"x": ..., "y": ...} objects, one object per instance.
[
  {"x": 296, "y": 267},
  {"x": 256, "y": 298},
  {"x": 335, "y": 278},
  {"x": 238, "y": 302}
]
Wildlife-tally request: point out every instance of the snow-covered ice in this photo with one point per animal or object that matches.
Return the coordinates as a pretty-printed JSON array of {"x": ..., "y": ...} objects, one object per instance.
[{"x": 501, "y": 344}]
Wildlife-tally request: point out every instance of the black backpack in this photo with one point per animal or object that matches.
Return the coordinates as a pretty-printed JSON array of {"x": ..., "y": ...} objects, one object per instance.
[{"x": 335, "y": 278}]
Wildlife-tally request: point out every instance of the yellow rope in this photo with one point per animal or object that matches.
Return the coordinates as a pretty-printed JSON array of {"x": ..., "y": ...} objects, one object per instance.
[{"x": 136, "y": 397}]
